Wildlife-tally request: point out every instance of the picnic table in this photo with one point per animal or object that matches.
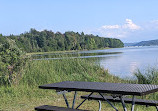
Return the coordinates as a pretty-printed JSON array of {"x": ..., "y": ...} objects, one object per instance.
[{"x": 117, "y": 89}]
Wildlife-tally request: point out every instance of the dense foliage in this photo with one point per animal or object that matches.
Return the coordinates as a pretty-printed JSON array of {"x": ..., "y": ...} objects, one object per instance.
[
  {"x": 37, "y": 41},
  {"x": 12, "y": 60}
]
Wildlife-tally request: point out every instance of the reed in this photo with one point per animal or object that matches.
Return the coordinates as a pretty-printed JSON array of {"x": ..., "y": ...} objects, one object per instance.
[{"x": 149, "y": 76}]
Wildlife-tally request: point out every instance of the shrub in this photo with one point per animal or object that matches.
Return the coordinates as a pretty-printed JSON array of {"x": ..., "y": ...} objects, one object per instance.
[{"x": 12, "y": 60}]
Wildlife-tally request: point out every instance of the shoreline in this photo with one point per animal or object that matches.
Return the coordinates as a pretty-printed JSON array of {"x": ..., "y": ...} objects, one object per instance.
[{"x": 35, "y": 53}]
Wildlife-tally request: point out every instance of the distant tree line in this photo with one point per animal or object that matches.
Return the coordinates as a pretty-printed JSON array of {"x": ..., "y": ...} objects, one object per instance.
[
  {"x": 147, "y": 43},
  {"x": 37, "y": 41}
]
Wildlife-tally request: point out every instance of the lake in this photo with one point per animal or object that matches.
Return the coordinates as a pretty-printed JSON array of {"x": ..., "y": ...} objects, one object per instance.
[{"x": 122, "y": 62}]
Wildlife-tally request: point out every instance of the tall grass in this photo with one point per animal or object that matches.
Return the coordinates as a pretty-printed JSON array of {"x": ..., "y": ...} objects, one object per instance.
[
  {"x": 26, "y": 95},
  {"x": 50, "y": 71},
  {"x": 150, "y": 76}
]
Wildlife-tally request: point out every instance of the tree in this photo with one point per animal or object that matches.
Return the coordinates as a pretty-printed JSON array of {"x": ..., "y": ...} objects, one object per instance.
[{"x": 92, "y": 44}]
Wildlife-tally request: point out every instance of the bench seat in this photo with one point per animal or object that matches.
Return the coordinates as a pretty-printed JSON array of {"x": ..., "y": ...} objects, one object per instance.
[
  {"x": 55, "y": 108},
  {"x": 127, "y": 100}
]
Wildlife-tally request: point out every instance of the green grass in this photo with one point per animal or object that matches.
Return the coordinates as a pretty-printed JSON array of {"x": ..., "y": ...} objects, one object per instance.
[
  {"x": 150, "y": 76},
  {"x": 50, "y": 71},
  {"x": 26, "y": 95}
]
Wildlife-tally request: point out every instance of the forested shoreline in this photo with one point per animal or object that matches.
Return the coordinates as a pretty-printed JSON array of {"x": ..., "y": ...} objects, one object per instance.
[{"x": 45, "y": 41}]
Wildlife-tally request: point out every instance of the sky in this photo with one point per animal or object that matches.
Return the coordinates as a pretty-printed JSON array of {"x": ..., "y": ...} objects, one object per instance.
[{"x": 128, "y": 20}]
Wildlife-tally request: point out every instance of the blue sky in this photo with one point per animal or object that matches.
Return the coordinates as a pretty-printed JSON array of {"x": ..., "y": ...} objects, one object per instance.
[{"x": 128, "y": 20}]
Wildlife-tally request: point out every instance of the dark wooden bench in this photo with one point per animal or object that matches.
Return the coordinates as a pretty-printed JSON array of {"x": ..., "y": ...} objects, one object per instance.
[
  {"x": 55, "y": 108},
  {"x": 126, "y": 100}
]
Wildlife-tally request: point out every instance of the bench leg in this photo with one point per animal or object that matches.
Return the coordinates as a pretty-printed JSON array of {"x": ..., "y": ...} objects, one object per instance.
[
  {"x": 123, "y": 103},
  {"x": 133, "y": 103},
  {"x": 108, "y": 101},
  {"x": 99, "y": 105},
  {"x": 84, "y": 100},
  {"x": 66, "y": 101},
  {"x": 74, "y": 100}
]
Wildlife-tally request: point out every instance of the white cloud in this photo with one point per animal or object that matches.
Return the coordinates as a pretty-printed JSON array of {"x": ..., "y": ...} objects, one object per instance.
[
  {"x": 129, "y": 24},
  {"x": 111, "y": 26},
  {"x": 117, "y": 31},
  {"x": 129, "y": 31}
]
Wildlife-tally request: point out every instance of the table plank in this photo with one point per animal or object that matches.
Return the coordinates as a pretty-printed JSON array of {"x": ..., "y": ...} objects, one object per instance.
[{"x": 103, "y": 87}]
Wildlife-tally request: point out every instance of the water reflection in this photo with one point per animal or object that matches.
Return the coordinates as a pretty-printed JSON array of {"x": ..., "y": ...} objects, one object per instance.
[
  {"x": 73, "y": 55},
  {"x": 122, "y": 62},
  {"x": 131, "y": 60}
]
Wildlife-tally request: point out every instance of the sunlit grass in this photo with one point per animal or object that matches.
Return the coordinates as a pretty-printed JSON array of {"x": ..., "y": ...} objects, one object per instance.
[
  {"x": 26, "y": 95},
  {"x": 149, "y": 76}
]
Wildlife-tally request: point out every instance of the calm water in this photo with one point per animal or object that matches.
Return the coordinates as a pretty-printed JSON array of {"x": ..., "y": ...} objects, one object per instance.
[
  {"x": 124, "y": 62},
  {"x": 130, "y": 60}
]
